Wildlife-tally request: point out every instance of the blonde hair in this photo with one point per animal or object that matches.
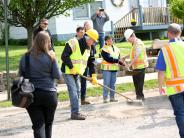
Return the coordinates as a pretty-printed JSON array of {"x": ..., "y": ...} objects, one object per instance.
[
  {"x": 41, "y": 44},
  {"x": 87, "y": 25}
]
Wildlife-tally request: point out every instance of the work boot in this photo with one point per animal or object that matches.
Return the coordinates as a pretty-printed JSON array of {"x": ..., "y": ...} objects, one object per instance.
[
  {"x": 84, "y": 102},
  {"x": 113, "y": 100},
  {"x": 105, "y": 101},
  {"x": 77, "y": 116}
]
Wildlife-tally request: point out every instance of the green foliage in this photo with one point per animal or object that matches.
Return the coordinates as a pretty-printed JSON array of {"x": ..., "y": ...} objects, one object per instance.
[
  {"x": 28, "y": 13},
  {"x": 5, "y": 104},
  {"x": 59, "y": 43},
  {"x": 177, "y": 8},
  {"x": 17, "y": 42}
]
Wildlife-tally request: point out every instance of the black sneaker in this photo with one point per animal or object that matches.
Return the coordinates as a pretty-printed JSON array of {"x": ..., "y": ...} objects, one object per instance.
[{"x": 77, "y": 116}]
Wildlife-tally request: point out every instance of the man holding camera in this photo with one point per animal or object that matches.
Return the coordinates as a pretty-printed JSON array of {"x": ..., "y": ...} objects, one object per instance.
[{"x": 99, "y": 19}]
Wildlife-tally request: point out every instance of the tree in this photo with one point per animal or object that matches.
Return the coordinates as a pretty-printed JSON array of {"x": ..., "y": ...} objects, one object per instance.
[
  {"x": 28, "y": 13},
  {"x": 177, "y": 9}
]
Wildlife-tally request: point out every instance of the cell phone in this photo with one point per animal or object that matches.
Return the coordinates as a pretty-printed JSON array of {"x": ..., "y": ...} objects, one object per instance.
[{"x": 101, "y": 10}]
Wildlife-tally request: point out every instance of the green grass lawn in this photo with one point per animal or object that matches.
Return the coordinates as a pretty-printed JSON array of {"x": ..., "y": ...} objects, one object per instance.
[
  {"x": 15, "y": 53},
  {"x": 125, "y": 87}
]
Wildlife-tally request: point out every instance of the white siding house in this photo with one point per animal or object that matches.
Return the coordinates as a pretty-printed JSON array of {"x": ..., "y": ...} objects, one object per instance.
[{"x": 64, "y": 27}]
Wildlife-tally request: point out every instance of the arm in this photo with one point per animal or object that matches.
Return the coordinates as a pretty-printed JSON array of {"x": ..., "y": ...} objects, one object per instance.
[
  {"x": 65, "y": 56},
  {"x": 161, "y": 67},
  {"x": 91, "y": 60},
  {"x": 106, "y": 17},
  {"x": 56, "y": 73},
  {"x": 106, "y": 56},
  {"x": 21, "y": 63},
  {"x": 93, "y": 17},
  {"x": 161, "y": 79}
]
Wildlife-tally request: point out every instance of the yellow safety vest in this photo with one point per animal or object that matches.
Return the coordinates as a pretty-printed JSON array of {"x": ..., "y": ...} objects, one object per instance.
[
  {"x": 141, "y": 61},
  {"x": 174, "y": 74},
  {"x": 113, "y": 53},
  {"x": 79, "y": 61}
]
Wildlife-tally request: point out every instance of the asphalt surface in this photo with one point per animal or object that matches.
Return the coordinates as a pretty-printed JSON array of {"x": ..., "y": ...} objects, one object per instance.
[{"x": 112, "y": 120}]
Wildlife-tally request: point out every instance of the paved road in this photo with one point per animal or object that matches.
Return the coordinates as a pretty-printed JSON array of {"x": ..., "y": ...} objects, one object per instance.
[{"x": 112, "y": 120}]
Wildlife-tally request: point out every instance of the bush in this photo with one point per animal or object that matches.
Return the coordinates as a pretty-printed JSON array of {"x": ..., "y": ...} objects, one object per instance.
[
  {"x": 59, "y": 43},
  {"x": 17, "y": 41}
]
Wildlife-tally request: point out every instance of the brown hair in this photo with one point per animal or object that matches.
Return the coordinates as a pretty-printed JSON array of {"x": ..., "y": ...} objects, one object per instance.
[{"x": 41, "y": 44}]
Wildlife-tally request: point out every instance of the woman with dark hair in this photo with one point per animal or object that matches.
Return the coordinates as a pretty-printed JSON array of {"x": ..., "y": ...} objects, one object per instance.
[{"x": 43, "y": 70}]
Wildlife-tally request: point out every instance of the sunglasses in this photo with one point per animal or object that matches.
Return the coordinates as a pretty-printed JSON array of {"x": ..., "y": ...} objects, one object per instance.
[{"x": 45, "y": 23}]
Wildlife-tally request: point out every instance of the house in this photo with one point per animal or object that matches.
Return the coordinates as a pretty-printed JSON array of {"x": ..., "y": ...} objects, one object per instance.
[{"x": 119, "y": 11}]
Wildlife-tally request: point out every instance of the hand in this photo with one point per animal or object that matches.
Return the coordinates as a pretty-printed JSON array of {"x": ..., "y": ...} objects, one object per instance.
[
  {"x": 73, "y": 71},
  {"x": 122, "y": 63},
  {"x": 162, "y": 91},
  {"x": 94, "y": 79}
]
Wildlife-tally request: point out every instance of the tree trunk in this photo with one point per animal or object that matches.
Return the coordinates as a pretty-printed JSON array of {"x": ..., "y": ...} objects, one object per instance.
[
  {"x": 183, "y": 29},
  {"x": 30, "y": 37}
]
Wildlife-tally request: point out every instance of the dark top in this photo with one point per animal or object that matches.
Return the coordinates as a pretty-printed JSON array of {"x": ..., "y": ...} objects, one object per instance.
[
  {"x": 65, "y": 56},
  {"x": 107, "y": 57},
  {"x": 99, "y": 21},
  {"x": 37, "y": 30},
  {"x": 42, "y": 71}
]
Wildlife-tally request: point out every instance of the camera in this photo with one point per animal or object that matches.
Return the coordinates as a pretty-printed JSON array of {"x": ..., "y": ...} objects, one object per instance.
[{"x": 101, "y": 10}]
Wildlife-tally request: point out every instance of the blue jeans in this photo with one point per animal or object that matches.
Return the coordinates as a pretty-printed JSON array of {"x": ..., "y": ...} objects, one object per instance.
[
  {"x": 101, "y": 39},
  {"x": 177, "y": 102},
  {"x": 109, "y": 79},
  {"x": 73, "y": 85}
]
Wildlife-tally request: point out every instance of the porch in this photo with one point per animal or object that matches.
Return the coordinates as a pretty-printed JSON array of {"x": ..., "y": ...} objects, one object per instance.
[{"x": 147, "y": 19}]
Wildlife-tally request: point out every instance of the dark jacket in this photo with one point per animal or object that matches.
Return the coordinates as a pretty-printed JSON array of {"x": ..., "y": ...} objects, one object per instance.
[
  {"x": 65, "y": 56},
  {"x": 37, "y": 30}
]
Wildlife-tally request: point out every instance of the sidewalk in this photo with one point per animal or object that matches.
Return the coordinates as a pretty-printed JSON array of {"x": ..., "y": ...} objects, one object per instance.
[{"x": 120, "y": 80}]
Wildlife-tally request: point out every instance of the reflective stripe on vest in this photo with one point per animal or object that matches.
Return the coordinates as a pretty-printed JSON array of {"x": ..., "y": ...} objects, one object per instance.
[
  {"x": 113, "y": 53},
  {"x": 174, "y": 74},
  {"x": 142, "y": 61},
  {"x": 78, "y": 60}
]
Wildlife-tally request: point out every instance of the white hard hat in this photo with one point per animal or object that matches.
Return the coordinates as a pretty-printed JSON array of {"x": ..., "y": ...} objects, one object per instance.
[{"x": 128, "y": 33}]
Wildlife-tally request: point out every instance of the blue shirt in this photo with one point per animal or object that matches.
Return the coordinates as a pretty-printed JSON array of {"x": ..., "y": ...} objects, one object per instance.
[
  {"x": 42, "y": 71},
  {"x": 161, "y": 65}
]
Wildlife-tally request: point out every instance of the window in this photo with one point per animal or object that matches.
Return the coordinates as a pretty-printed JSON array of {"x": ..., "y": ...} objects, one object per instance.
[
  {"x": 81, "y": 12},
  {"x": 94, "y": 6},
  {"x": 85, "y": 11}
]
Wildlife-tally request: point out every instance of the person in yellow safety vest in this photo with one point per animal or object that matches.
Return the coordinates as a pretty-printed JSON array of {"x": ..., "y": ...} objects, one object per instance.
[
  {"x": 111, "y": 58},
  {"x": 170, "y": 66},
  {"x": 74, "y": 61},
  {"x": 138, "y": 62}
]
